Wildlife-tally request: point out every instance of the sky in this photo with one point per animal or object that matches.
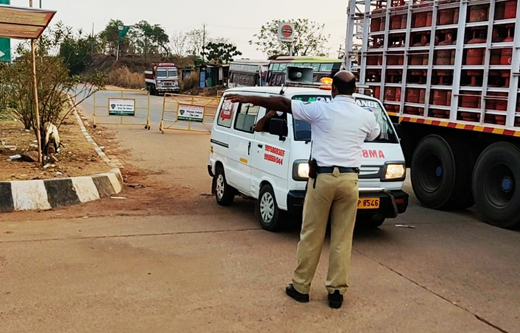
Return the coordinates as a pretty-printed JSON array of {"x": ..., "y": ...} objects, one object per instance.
[{"x": 237, "y": 20}]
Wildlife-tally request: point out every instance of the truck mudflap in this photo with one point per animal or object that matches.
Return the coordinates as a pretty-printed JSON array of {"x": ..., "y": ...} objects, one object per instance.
[{"x": 390, "y": 203}]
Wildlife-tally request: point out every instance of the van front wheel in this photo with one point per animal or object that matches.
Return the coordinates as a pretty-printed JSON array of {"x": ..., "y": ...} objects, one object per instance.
[
  {"x": 224, "y": 193},
  {"x": 271, "y": 218}
]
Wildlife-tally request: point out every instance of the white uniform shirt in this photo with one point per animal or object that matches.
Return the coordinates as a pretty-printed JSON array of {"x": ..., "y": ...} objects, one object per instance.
[{"x": 339, "y": 129}]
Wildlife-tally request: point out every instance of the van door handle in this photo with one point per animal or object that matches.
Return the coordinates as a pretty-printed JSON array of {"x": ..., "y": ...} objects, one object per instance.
[
  {"x": 260, "y": 146},
  {"x": 249, "y": 148}
]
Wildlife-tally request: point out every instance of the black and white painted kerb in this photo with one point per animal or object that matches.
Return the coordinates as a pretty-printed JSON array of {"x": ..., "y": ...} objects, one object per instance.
[{"x": 54, "y": 193}]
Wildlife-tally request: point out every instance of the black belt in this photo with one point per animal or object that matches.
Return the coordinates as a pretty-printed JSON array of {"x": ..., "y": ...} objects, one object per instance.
[{"x": 341, "y": 170}]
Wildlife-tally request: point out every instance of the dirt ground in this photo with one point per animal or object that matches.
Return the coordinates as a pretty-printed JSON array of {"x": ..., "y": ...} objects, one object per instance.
[
  {"x": 145, "y": 190},
  {"x": 77, "y": 158}
]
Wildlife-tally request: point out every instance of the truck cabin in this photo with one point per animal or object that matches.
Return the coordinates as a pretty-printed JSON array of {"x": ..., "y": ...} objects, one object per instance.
[
  {"x": 166, "y": 71},
  {"x": 247, "y": 73}
]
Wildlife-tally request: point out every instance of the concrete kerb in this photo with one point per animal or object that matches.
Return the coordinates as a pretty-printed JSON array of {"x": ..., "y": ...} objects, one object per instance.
[{"x": 60, "y": 192}]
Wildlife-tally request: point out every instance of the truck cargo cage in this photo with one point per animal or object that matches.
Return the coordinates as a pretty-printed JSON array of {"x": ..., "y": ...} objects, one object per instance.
[{"x": 452, "y": 60}]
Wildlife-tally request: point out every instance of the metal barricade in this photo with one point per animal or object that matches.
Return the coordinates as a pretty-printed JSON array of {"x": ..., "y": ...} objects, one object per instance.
[
  {"x": 188, "y": 113},
  {"x": 129, "y": 105}
]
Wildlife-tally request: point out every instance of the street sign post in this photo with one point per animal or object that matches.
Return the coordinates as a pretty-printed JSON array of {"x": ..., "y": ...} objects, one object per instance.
[{"x": 286, "y": 34}]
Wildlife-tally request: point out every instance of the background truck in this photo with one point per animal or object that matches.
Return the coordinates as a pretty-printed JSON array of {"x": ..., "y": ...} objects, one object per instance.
[
  {"x": 448, "y": 73},
  {"x": 162, "y": 78}
]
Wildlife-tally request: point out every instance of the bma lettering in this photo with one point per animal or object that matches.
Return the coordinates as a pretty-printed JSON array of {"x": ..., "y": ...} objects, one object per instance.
[{"x": 373, "y": 154}]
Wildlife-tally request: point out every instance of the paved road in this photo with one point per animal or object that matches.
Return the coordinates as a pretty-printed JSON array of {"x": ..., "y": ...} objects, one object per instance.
[{"x": 168, "y": 259}]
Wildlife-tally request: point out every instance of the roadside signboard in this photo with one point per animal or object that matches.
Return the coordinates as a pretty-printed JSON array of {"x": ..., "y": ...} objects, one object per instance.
[
  {"x": 191, "y": 113},
  {"x": 5, "y": 43},
  {"x": 5, "y": 49},
  {"x": 286, "y": 32},
  {"x": 121, "y": 107}
]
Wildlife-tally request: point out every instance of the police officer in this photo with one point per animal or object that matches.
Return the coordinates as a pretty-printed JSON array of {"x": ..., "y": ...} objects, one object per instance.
[{"x": 339, "y": 129}]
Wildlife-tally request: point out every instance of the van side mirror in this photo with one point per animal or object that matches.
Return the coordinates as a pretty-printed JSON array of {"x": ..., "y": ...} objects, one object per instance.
[{"x": 277, "y": 127}]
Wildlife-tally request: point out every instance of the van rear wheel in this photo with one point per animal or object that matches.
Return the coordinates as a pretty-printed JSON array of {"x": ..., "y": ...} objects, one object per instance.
[
  {"x": 268, "y": 212},
  {"x": 224, "y": 193}
]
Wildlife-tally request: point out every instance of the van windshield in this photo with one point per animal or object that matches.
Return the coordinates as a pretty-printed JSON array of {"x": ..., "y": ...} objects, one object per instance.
[{"x": 302, "y": 129}]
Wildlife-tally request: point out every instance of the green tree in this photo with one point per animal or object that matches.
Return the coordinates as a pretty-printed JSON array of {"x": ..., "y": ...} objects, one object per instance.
[
  {"x": 77, "y": 51},
  {"x": 221, "y": 52},
  {"x": 149, "y": 39},
  {"x": 309, "y": 38},
  {"x": 58, "y": 91},
  {"x": 110, "y": 35}
]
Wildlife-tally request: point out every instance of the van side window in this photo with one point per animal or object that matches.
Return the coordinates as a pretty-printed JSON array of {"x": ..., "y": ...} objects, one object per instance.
[
  {"x": 246, "y": 117},
  {"x": 226, "y": 114}
]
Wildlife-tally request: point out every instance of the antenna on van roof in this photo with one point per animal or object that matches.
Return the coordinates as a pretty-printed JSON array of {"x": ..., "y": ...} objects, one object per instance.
[{"x": 282, "y": 91}]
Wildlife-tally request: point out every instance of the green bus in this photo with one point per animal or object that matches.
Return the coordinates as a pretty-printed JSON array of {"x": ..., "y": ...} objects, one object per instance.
[{"x": 321, "y": 66}]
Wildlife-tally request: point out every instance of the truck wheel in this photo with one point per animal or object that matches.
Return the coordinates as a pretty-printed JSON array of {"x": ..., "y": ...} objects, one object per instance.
[
  {"x": 441, "y": 173},
  {"x": 224, "y": 193},
  {"x": 269, "y": 214},
  {"x": 494, "y": 185}
]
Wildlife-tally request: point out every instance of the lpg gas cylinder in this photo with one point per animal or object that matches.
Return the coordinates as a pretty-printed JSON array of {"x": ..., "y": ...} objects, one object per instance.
[
  {"x": 510, "y": 10},
  {"x": 478, "y": 13},
  {"x": 475, "y": 55}
]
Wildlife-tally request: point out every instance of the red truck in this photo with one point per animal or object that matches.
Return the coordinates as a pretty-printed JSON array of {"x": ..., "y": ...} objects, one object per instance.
[
  {"x": 448, "y": 71},
  {"x": 162, "y": 78}
]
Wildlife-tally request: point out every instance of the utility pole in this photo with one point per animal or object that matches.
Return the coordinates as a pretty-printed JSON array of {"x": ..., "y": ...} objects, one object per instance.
[
  {"x": 203, "y": 42},
  {"x": 35, "y": 92},
  {"x": 120, "y": 28}
]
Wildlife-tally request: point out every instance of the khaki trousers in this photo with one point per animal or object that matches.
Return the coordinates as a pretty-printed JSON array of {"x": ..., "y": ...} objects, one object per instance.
[{"x": 338, "y": 194}]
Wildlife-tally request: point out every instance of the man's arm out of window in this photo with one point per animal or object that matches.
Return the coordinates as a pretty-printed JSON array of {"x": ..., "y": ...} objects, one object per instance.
[{"x": 261, "y": 124}]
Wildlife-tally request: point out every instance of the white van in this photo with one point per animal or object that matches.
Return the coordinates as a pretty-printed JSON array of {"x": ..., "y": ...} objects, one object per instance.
[{"x": 273, "y": 166}]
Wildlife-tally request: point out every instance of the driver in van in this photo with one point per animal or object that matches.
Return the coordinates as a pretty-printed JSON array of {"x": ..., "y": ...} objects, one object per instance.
[
  {"x": 339, "y": 129},
  {"x": 263, "y": 124}
]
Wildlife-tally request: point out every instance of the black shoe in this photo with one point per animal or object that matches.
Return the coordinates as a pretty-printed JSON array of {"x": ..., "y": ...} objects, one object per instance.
[
  {"x": 335, "y": 300},
  {"x": 297, "y": 296}
]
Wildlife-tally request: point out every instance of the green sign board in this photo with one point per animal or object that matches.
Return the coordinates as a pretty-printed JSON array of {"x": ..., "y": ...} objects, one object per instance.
[
  {"x": 5, "y": 43},
  {"x": 123, "y": 31},
  {"x": 5, "y": 49}
]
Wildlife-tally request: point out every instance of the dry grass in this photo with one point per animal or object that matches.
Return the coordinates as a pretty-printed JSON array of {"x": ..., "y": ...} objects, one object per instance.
[
  {"x": 192, "y": 81},
  {"x": 123, "y": 77}
]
